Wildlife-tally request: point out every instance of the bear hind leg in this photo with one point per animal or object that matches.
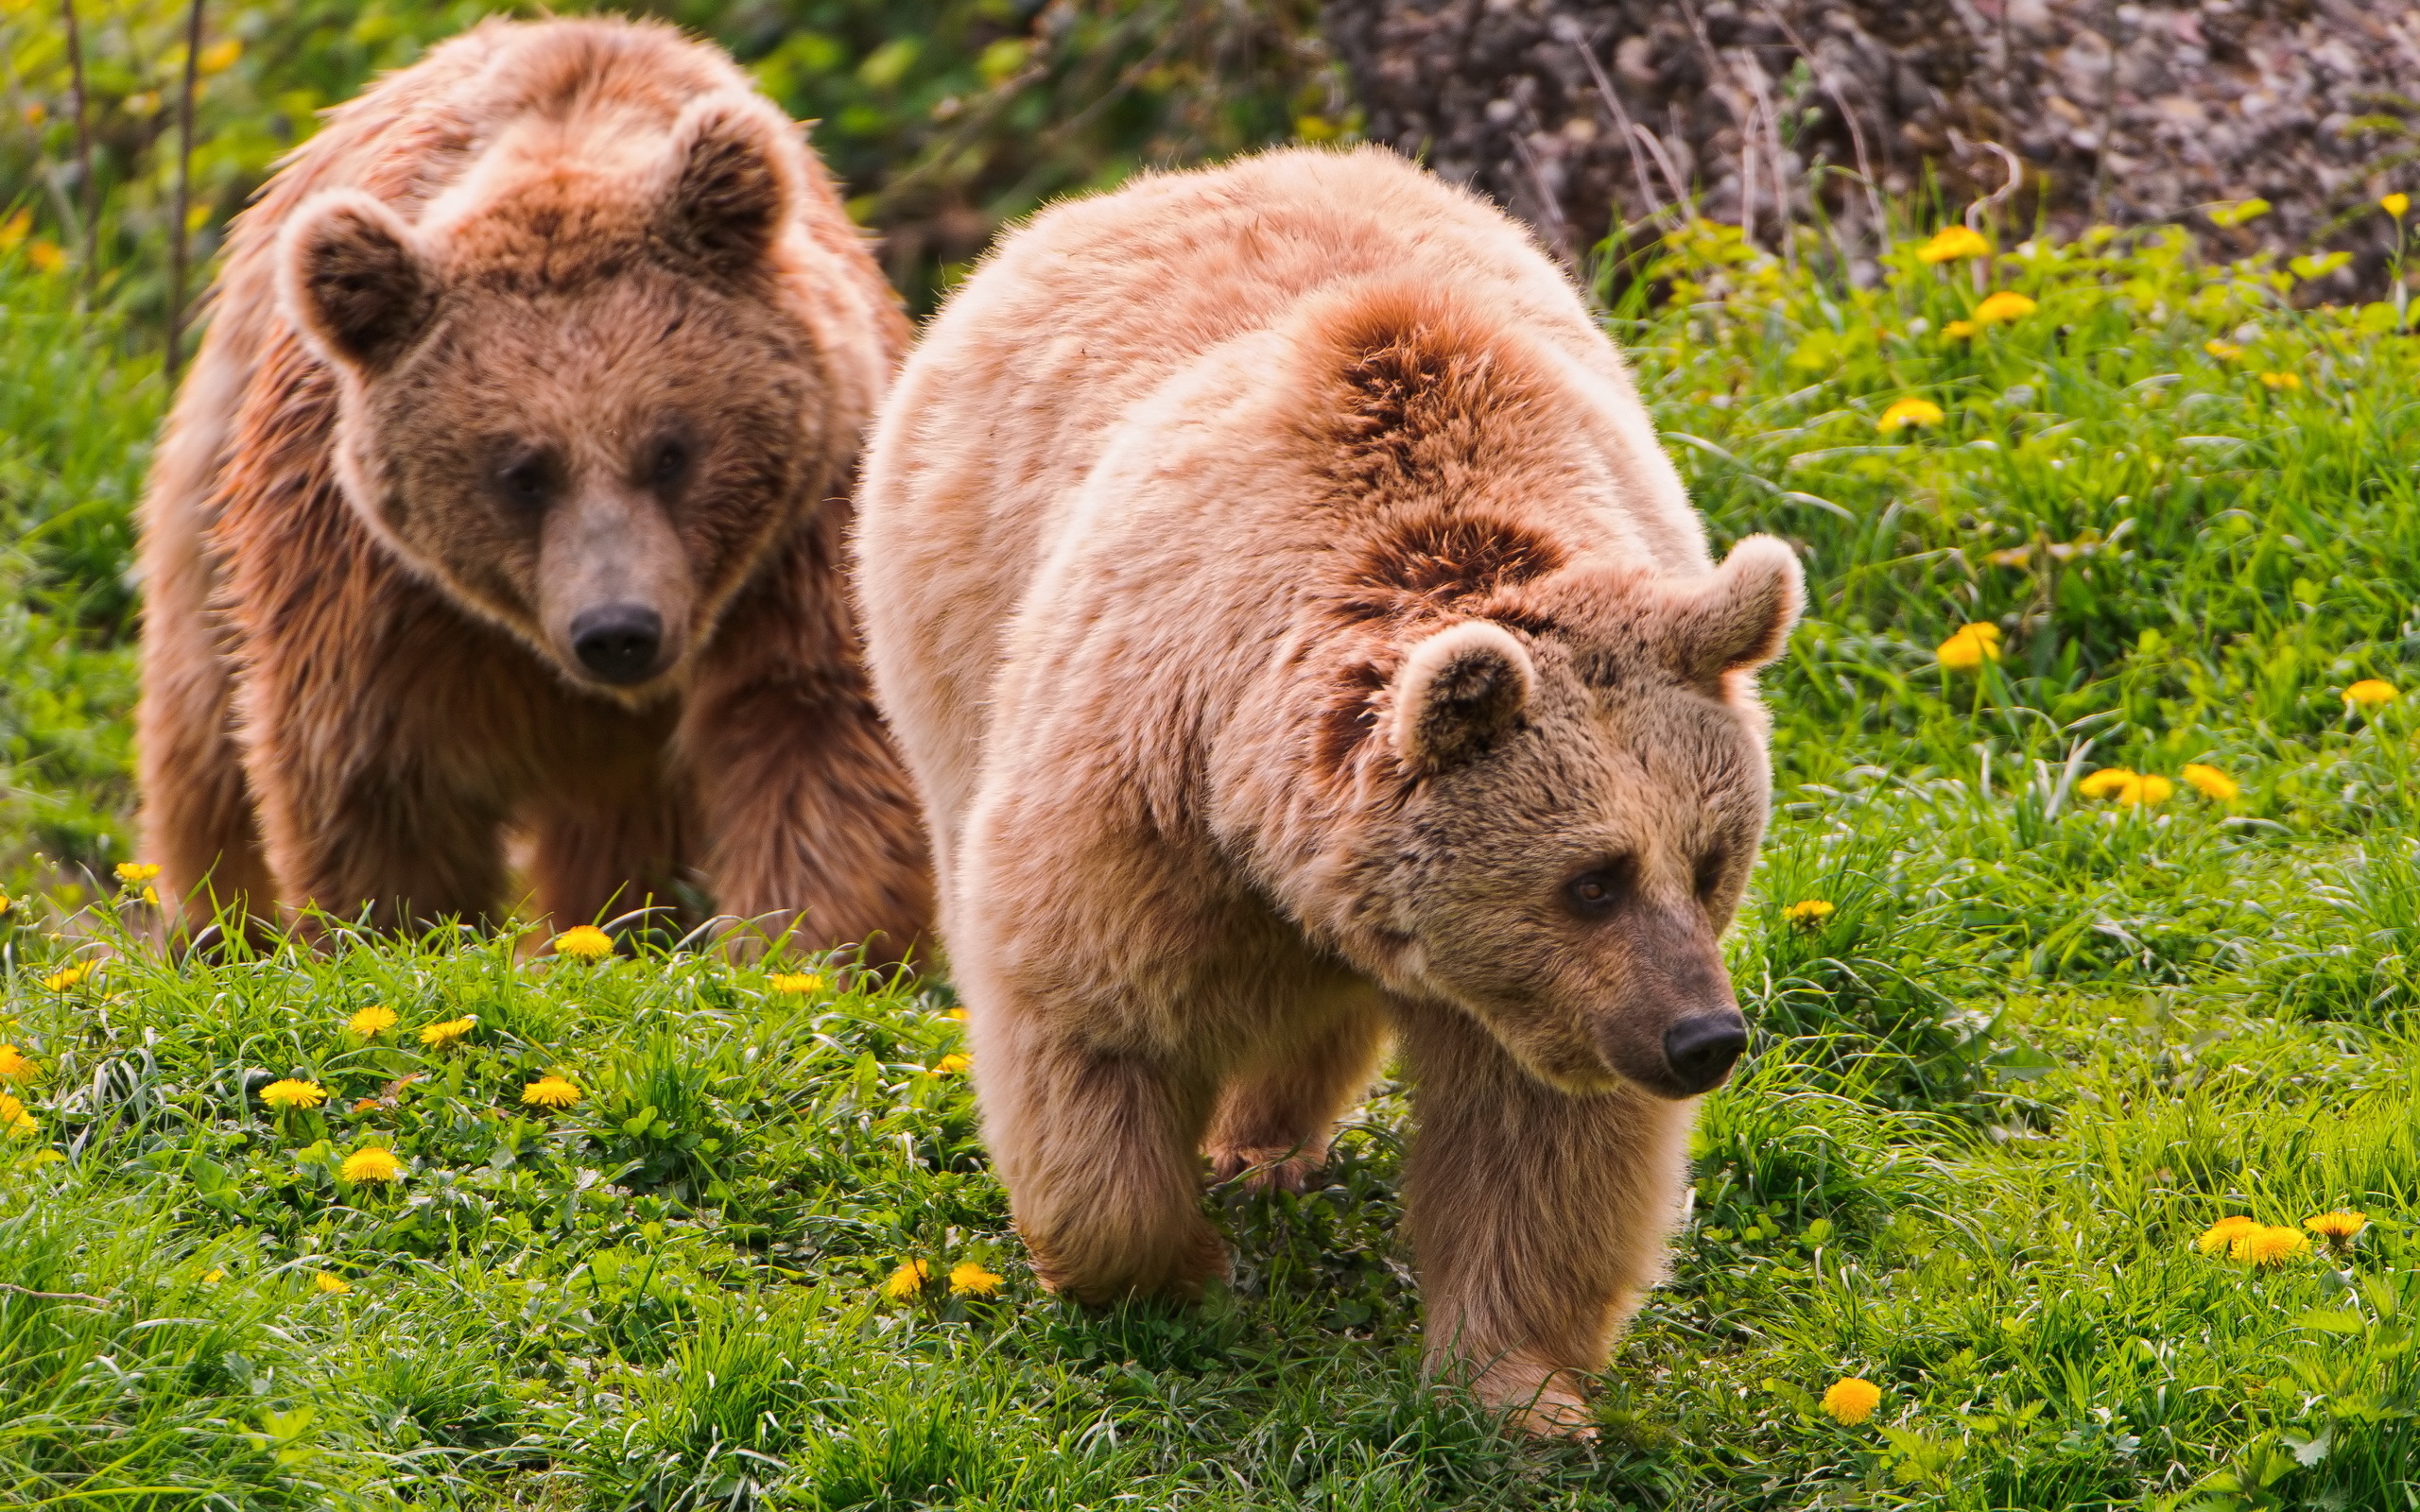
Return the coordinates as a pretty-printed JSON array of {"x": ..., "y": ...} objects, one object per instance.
[{"x": 1274, "y": 1122}]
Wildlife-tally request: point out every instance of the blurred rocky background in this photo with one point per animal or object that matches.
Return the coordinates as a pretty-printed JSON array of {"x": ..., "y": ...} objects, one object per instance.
[
  {"x": 948, "y": 118},
  {"x": 1586, "y": 116}
]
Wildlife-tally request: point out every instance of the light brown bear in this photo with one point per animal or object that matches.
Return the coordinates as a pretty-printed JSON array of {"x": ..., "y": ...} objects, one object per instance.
[
  {"x": 508, "y": 492},
  {"x": 1296, "y": 631}
]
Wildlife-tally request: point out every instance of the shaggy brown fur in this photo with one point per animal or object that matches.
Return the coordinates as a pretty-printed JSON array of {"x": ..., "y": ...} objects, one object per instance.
[
  {"x": 1297, "y": 632},
  {"x": 564, "y": 321}
]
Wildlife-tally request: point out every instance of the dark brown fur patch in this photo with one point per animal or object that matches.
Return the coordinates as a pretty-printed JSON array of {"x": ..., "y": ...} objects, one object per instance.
[
  {"x": 1454, "y": 558},
  {"x": 1418, "y": 388},
  {"x": 1351, "y": 715}
]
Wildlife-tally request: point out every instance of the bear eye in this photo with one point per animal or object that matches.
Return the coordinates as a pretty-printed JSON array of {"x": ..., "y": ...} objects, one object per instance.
[
  {"x": 528, "y": 482},
  {"x": 670, "y": 464},
  {"x": 1599, "y": 890},
  {"x": 1709, "y": 875}
]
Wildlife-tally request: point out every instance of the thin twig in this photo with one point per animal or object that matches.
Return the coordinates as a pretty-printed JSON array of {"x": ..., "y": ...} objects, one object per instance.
[
  {"x": 1570, "y": 31},
  {"x": 184, "y": 188},
  {"x": 1717, "y": 75},
  {"x": 1672, "y": 176},
  {"x": 1768, "y": 114},
  {"x": 53, "y": 1296},
  {"x": 2108, "y": 115},
  {"x": 1558, "y": 230},
  {"x": 1848, "y": 118},
  {"x": 87, "y": 188},
  {"x": 1976, "y": 210}
]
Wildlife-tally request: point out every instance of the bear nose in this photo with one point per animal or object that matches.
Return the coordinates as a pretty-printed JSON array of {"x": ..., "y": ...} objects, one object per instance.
[
  {"x": 1700, "y": 1050},
  {"x": 619, "y": 642}
]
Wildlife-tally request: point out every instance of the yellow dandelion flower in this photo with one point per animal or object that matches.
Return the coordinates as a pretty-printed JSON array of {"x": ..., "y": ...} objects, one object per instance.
[
  {"x": 14, "y": 1066},
  {"x": 2003, "y": 307},
  {"x": 2224, "y": 1232},
  {"x": 1907, "y": 412},
  {"x": 131, "y": 872},
  {"x": 1961, "y": 331},
  {"x": 370, "y": 1164},
  {"x": 2211, "y": 782},
  {"x": 2148, "y": 788},
  {"x": 2396, "y": 204},
  {"x": 332, "y": 1286},
  {"x": 2341, "y": 1225},
  {"x": 2110, "y": 782},
  {"x": 958, "y": 1015},
  {"x": 1851, "y": 1399},
  {"x": 7, "y": 902},
  {"x": 151, "y": 897},
  {"x": 951, "y": 1064},
  {"x": 288, "y": 1093},
  {"x": 372, "y": 1021},
  {"x": 797, "y": 984},
  {"x": 586, "y": 943},
  {"x": 2267, "y": 1246},
  {"x": 2281, "y": 380},
  {"x": 1808, "y": 913},
  {"x": 967, "y": 1279},
  {"x": 213, "y": 1276},
  {"x": 437, "y": 1036},
  {"x": 66, "y": 977},
  {"x": 13, "y": 1117},
  {"x": 550, "y": 1092},
  {"x": 2223, "y": 350},
  {"x": 1969, "y": 646},
  {"x": 1951, "y": 243},
  {"x": 907, "y": 1281},
  {"x": 2371, "y": 692}
]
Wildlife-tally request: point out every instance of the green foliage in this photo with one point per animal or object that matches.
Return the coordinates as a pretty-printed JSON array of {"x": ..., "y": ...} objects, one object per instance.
[{"x": 942, "y": 118}]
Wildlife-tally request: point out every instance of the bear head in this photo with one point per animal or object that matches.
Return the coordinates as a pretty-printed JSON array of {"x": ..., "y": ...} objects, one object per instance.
[
  {"x": 578, "y": 395},
  {"x": 1578, "y": 786}
]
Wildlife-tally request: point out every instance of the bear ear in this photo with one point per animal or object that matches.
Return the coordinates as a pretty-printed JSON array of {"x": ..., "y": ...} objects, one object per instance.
[
  {"x": 355, "y": 280},
  {"x": 1737, "y": 616},
  {"x": 727, "y": 184},
  {"x": 1458, "y": 691}
]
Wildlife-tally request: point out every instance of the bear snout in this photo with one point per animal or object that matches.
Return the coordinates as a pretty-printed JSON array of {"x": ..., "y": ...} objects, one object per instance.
[
  {"x": 1701, "y": 1049},
  {"x": 620, "y": 644}
]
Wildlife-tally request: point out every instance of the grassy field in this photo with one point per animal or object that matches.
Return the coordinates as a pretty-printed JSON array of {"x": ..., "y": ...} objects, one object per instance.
[{"x": 2049, "y": 1032}]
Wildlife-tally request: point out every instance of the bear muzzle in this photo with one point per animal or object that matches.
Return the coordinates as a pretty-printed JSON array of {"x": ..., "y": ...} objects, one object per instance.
[
  {"x": 620, "y": 644},
  {"x": 1673, "y": 1027},
  {"x": 1700, "y": 1050}
]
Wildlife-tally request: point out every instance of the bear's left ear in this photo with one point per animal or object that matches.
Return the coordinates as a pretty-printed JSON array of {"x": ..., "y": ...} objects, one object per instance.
[
  {"x": 1458, "y": 690},
  {"x": 728, "y": 185},
  {"x": 355, "y": 278},
  {"x": 1736, "y": 617}
]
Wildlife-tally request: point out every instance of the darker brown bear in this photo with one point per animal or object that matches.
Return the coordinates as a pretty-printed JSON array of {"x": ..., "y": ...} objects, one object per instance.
[{"x": 507, "y": 495}]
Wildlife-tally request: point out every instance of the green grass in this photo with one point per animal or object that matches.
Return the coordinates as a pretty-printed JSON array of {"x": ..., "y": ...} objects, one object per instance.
[{"x": 2041, "y": 1042}]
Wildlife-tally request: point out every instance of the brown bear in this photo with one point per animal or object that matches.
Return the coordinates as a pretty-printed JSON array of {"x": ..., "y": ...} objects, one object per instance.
[
  {"x": 1297, "y": 633},
  {"x": 507, "y": 495}
]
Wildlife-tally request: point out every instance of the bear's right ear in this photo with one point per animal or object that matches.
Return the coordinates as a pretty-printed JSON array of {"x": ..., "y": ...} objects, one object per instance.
[
  {"x": 729, "y": 187},
  {"x": 355, "y": 280},
  {"x": 1457, "y": 691}
]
